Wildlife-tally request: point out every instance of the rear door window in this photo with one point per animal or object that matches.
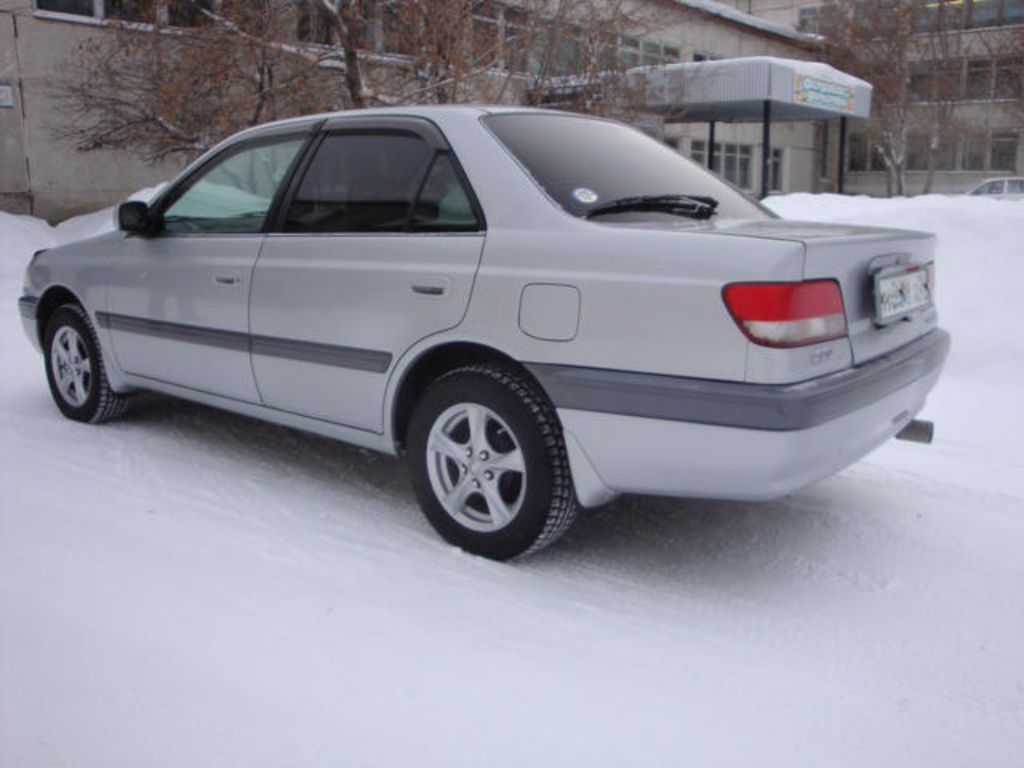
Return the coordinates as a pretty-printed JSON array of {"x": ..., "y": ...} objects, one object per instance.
[
  {"x": 378, "y": 182},
  {"x": 444, "y": 204},
  {"x": 360, "y": 183}
]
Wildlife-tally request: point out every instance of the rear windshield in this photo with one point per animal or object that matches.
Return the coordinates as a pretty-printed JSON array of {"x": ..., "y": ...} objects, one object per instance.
[{"x": 583, "y": 162}]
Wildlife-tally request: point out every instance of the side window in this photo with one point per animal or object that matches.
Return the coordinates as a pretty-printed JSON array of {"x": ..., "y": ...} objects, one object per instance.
[
  {"x": 235, "y": 193},
  {"x": 360, "y": 183},
  {"x": 1015, "y": 186},
  {"x": 443, "y": 204},
  {"x": 992, "y": 188}
]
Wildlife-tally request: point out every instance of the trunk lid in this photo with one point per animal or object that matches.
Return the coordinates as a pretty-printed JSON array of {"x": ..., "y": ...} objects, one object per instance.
[{"x": 852, "y": 255}]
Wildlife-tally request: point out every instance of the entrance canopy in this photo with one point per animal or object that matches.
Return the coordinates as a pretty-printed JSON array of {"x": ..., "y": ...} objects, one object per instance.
[
  {"x": 735, "y": 90},
  {"x": 756, "y": 89}
]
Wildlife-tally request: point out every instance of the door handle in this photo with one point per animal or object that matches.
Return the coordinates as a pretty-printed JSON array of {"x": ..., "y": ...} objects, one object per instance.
[
  {"x": 432, "y": 286},
  {"x": 227, "y": 279}
]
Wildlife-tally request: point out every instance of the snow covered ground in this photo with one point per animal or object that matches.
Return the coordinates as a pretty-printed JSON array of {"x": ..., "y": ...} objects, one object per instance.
[{"x": 192, "y": 588}]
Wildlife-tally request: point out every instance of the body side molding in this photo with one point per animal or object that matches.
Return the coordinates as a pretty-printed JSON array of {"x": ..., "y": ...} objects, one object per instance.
[{"x": 371, "y": 360}]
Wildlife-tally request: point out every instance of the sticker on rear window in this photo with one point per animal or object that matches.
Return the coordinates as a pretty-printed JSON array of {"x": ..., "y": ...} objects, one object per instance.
[{"x": 584, "y": 195}]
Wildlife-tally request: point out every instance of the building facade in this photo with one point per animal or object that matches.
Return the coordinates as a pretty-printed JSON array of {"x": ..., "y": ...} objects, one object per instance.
[
  {"x": 43, "y": 174},
  {"x": 983, "y": 72}
]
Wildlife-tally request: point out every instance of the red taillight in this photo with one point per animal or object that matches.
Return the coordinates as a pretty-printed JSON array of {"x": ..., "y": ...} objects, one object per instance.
[{"x": 787, "y": 314}]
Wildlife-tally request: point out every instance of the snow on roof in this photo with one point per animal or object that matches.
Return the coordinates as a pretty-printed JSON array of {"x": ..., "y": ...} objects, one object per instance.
[
  {"x": 811, "y": 68},
  {"x": 735, "y": 90},
  {"x": 729, "y": 13}
]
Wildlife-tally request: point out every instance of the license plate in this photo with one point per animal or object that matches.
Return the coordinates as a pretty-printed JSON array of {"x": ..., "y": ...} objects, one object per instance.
[{"x": 899, "y": 292}]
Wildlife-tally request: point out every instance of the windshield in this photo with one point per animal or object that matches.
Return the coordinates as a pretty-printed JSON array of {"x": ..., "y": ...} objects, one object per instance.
[{"x": 584, "y": 162}]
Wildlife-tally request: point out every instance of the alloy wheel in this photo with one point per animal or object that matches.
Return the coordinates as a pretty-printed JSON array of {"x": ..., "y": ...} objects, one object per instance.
[
  {"x": 476, "y": 467},
  {"x": 72, "y": 368}
]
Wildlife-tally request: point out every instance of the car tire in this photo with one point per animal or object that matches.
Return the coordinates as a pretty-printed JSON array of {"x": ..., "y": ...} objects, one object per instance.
[
  {"x": 488, "y": 463},
  {"x": 74, "y": 368}
]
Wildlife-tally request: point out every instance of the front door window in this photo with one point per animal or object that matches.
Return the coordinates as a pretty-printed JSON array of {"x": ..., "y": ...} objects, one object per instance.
[{"x": 235, "y": 193}]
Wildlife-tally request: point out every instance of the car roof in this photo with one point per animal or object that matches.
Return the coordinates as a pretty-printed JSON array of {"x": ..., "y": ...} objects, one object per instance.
[{"x": 428, "y": 111}]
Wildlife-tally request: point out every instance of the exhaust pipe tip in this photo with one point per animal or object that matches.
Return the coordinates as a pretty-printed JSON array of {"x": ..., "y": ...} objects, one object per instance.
[{"x": 918, "y": 431}]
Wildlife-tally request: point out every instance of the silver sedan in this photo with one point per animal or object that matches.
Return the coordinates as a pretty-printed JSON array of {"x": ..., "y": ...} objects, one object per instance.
[{"x": 540, "y": 310}]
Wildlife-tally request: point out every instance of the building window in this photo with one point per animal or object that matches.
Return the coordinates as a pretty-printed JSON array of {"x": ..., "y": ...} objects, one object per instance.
[
  {"x": 876, "y": 159},
  {"x": 920, "y": 85},
  {"x": 1004, "y": 152},
  {"x": 1008, "y": 78},
  {"x": 979, "y": 79},
  {"x": 77, "y": 7},
  {"x": 629, "y": 50},
  {"x": 972, "y": 14},
  {"x": 808, "y": 18},
  {"x": 945, "y": 155},
  {"x": 1013, "y": 12},
  {"x": 312, "y": 23},
  {"x": 699, "y": 151},
  {"x": 917, "y": 152},
  {"x": 647, "y": 52},
  {"x": 185, "y": 13},
  {"x": 736, "y": 162},
  {"x": 984, "y": 13},
  {"x": 775, "y": 169},
  {"x": 920, "y": 151},
  {"x": 178, "y": 13},
  {"x": 857, "y": 152},
  {"x": 823, "y": 141},
  {"x": 973, "y": 158},
  {"x": 130, "y": 10}
]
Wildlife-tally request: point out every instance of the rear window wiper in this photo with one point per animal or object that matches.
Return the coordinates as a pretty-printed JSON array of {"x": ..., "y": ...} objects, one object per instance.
[{"x": 692, "y": 206}]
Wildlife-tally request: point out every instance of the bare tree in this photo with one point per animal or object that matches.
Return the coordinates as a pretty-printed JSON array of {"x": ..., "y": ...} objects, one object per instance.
[
  {"x": 581, "y": 68},
  {"x": 165, "y": 91},
  {"x": 450, "y": 51},
  {"x": 914, "y": 53},
  {"x": 936, "y": 84},
  {"x": 344, "y": 24},
  {"x": 876, "y": 41}
]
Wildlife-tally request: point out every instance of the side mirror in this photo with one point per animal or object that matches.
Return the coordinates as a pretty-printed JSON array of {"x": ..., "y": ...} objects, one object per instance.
[{"x": 133, "y": 216}]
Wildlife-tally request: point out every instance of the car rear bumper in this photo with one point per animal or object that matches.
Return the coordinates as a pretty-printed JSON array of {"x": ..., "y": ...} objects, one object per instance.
[{"x": 632, "y": 433}]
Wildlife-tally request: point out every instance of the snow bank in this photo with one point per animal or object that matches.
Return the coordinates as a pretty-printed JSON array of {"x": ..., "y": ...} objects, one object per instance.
[
  {"x": 980, "y": 290},
  {"x": 188, "y": 587},
  {"x": 21, "y": 236}
]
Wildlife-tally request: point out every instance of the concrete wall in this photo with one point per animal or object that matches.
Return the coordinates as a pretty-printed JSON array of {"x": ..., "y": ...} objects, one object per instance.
[
  {"x": 64, "y": 181},
  {"x": 14, "y": 182}
]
